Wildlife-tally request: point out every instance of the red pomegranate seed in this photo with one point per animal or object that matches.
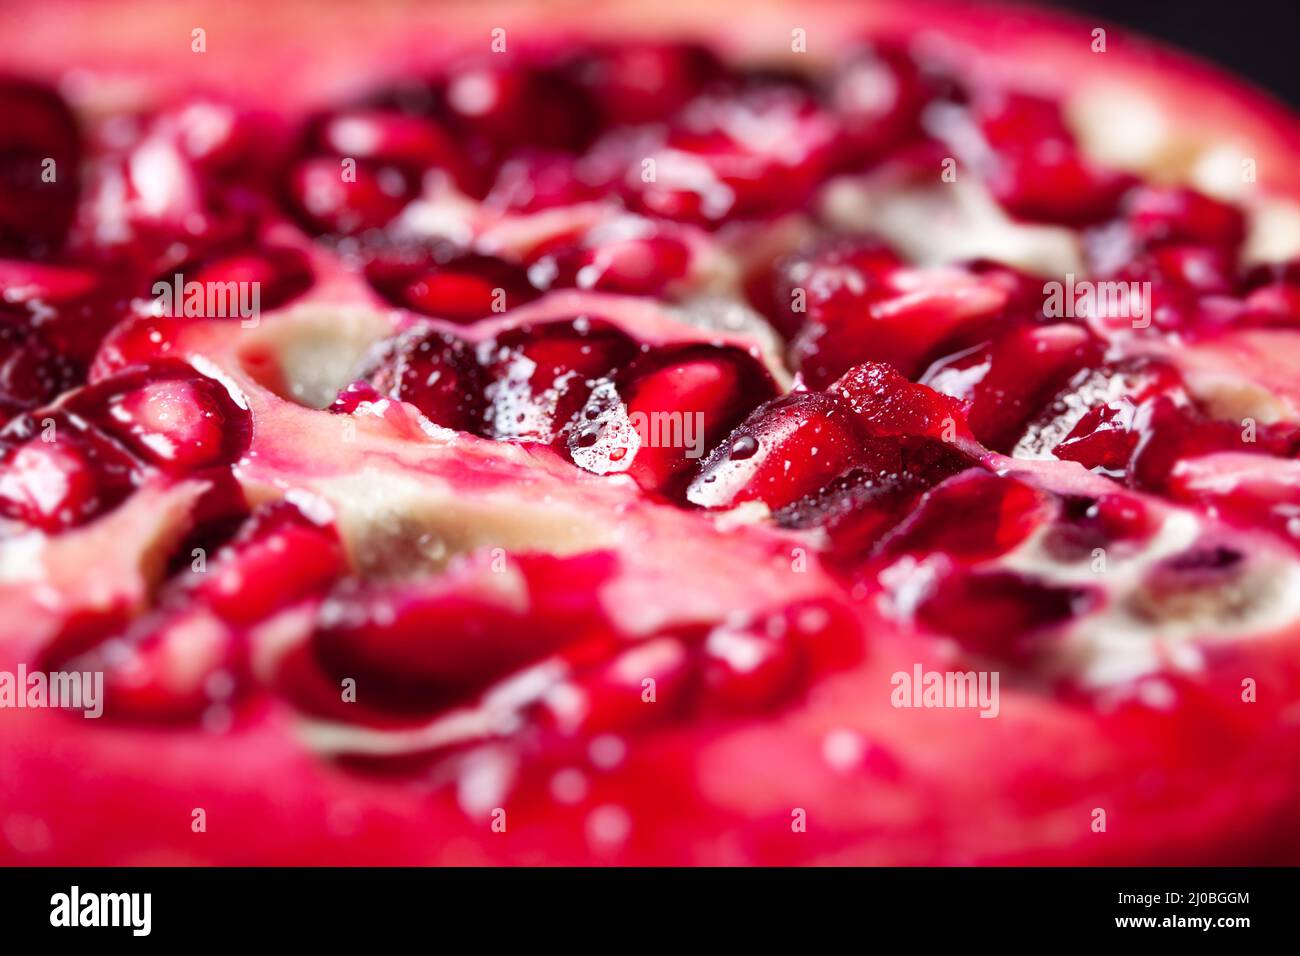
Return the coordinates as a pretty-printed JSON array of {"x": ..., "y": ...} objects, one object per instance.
[
  {"x": 432, "y": 370},
  {"x": 532, "y": 180},
  {"x": 279, "y": 557},
  {"x": 31, "y": 372},
  {"x": 878, "y": 95},
  {"x": 971, "y": 517},
  {"x": 35, "y": 208},
  {"x": 629, "y": 257},
  {"x": 887, "y": 404},
  {"x": 56, "y": 474},
  {"x": 785, "y": 450},
  {"x": 822, "y": 284},
  {"x": 644, "y": 81},
  {"x": 1000, "y": 614},
  {"x": 902, "y": 321},
  {"x": 541, "y": 375},
  {"x": 169, "y": 666},
  {"x": 511, "y": 105},
  {"x": 137, "y": 340},
  {"x": 1038, "y": 172},
  {"x": 169, "y": 415},
  {"x": 1009, "y": 380},
  {"x": 454, "y": 285},
  {"x": 1169, "y": 214},
  {"x": 751, "y": 154},
  {"x": 1086, "y": 524},
  {"x": 279, "y": 274},
  {"x": 415, "y": 143},
  {"x": 671, "y": 405},
  {"x": 370, "y": 197}
]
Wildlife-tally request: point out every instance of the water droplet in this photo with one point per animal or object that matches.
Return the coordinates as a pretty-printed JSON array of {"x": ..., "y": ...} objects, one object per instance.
[{"x": 743, "y": 447}]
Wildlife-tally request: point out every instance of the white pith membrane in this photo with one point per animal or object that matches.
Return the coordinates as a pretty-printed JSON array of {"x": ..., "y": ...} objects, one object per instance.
[{"x": 398, "y": 516}]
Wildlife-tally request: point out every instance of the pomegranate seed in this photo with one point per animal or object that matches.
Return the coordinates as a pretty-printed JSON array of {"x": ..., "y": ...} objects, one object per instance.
[
  {"x": 31, "y": 373},
  {"x": 279, "y": 557},
  {"x": 752, "y": 154},
  {"x": 510, "y": 105},
  {"x": 1008, "y": 381},
  {"x": 644, "y": 81},
  {"x": 887, "y": 404},
  {"x": 626, "y": 257},
  {"x": 786, "y": 449},
  {"x": 432, "y": 370},
  {"x": 903, "y": 322},
  {"x": 676, "y": 402},
  {"x": 999, "y": 614},
  {"x": 878, "y": 95},
  {"x": 1038, "y": 172},
  {"x": 279, "y": 274},
  {"x": 447, "y": 284},
  {"x": 328, "y": 203},
  {"x": 169, "y": 415},
  {"x": 35, "y": 208},
  {"x": 1169, "y": 214},
  {"x": 531, "y": 181},
  {"x": 62, "y": 482},
  {"x": 821, "y": 284},
  {"x": 971, "y": 517},
  {"x": 542, "y": 375}
]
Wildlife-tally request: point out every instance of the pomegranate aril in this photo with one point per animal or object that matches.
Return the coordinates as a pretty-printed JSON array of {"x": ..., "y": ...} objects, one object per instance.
[
  {"x": 1037, "y": 171},
  {"x": 878, "y": 95},
  {"x": 626, "y": 257},
  {"x": 511, "y": 105},
  {"x": 902, "y": 321},
  {"x": 1085, "y": 524},
  {"x": 820, "y": 283},
  {"x": 56, "y": 474},
  {"x": 278, "y": 557},
  {"x": 1008, "y": 381},
  {"x": 429, "y": 644},
  {"x": 887, "y": 404},
  {"x": 434, "y": 371},
  {"x": 389, "y": 136},
  {"x": 331, "y": 199},
  {"x": 277, "y": 274},
  {"x": 31, "y": 372},
  {"x": 170, "y": 415},
  {"x": 1000, "y": 614},
  {"x": 786, "y": 449},
  {"x": 1158, "y": 215},
  {"x": 970, "y": 517},
  {"x": 40, "y": 150},
  {"x": 749, "y": 154},
  {"x": 644, "y": 81},
  {"x": 136, "y": 340},
  {"x": 671, "y": 405},
  {"x": 450, "y": 284},
  {"x": 542, "y": 375},
  {"x": 532, "y": 180}
]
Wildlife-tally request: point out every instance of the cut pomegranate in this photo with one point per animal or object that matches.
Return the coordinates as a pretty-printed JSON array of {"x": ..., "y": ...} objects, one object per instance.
[{"x": 663, "y": 443}]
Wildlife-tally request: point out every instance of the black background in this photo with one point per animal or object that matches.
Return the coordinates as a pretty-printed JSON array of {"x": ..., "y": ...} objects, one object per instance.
[{"x": 1257, "y": 39}]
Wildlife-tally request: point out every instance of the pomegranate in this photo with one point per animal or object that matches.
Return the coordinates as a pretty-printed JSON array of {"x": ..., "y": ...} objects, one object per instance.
[{"x": 626, "y": 416}]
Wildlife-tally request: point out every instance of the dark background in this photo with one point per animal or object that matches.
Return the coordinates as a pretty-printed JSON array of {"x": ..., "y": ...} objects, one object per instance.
[{"x": 1257, "y": 39}]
